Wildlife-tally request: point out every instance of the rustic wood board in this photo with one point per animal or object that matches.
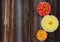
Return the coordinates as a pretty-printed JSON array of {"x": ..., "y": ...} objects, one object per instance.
[
  {"x": 8, "y": 20},
  {"x": 31, "y": 21}
]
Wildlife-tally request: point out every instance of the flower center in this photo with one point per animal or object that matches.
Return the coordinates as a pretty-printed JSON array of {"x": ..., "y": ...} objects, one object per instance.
[
  {"x": 43, "y": 8},
  {"x": 50, "y": 23}
]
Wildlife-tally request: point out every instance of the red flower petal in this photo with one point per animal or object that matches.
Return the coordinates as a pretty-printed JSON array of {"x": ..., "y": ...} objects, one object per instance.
[{"x": 43, "y": 8}]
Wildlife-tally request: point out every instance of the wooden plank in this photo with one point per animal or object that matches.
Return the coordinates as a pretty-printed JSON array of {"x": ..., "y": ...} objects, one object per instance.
[
  {"x": 5, "y": 24},
  {"x": 34, "y": 20},
  {"x": 26, "y": 29},
  {"x": 8, "y": 18},
  {"x": 12, "y": 21}
]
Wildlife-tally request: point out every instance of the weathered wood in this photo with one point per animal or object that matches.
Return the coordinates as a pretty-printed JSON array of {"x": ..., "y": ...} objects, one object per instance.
[
  {"x": 8, "y": 18},
  {"x": 26, "y": 30},
  {"x": 34, "y": 20},
  {"x": 31, "y": 21}
]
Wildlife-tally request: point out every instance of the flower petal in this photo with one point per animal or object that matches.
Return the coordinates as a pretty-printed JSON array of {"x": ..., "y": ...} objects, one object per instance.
[
  {"x": 49, "y": 23},
  {"x": 41, "y": 35},
  {"x": 44, "y": 7}
]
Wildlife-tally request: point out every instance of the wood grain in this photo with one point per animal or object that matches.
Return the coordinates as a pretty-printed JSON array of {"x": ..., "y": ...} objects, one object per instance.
[
  {"x": 8, "y": 18},
  {"x": 33, "y": 23}
]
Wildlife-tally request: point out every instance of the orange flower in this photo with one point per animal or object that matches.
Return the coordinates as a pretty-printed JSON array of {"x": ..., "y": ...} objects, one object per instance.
[
  {"x": 43, "y": 8},
  {"x": 41, "y": 35}
]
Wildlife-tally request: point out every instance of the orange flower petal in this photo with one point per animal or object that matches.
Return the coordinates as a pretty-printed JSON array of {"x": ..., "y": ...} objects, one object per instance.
[{"x": 41, "y": 35}]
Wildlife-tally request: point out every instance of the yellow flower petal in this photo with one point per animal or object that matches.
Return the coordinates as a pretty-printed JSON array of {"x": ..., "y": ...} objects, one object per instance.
[
  {"x": 49, "y": 23},
  {"x": 41, "y": 35}
]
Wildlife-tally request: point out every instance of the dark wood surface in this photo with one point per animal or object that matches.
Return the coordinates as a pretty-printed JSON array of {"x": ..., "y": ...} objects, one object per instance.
[
  {"x": 31, "y": 20},
  {"x": 0, "y": 20},
  {"x": 8, "y": 21}
]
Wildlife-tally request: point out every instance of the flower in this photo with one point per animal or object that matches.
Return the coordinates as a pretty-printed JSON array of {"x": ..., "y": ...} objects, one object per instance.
[
  {"x": 41, "y": 35},
  {"x": 49, "y": 23},
  {"x": 43, "y": 8}
]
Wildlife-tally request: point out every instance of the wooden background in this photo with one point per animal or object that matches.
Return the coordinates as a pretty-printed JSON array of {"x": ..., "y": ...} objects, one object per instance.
[
  {"x": 31, "y": 20},
  {"x": 8, "y": 20}
]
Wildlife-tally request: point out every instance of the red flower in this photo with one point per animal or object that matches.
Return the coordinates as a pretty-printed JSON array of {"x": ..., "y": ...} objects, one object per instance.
[{"x": 43, "y": 8}]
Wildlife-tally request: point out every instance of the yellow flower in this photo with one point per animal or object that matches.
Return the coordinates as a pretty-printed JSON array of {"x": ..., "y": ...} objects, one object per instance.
[
  {"x": 49, "y": 23},
  {"x": 41, "y": 35}
]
